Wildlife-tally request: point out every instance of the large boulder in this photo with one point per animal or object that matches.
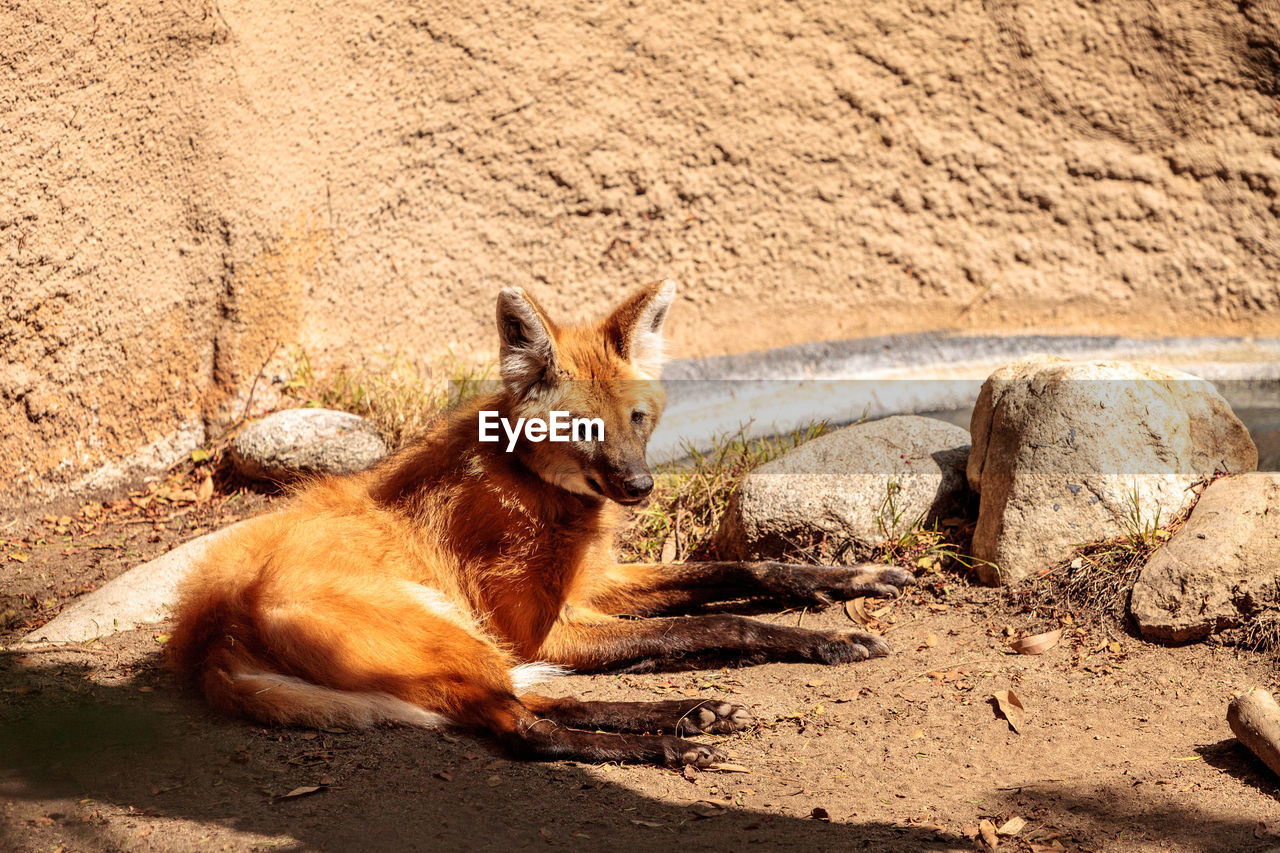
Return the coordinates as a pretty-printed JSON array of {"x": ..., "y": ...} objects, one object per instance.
[
  {"x": 288, "y": 444},
  {"x": 1220, "y": 569},
  {"x": 1066, "y": 453},
  {"x": 854, "y": 488}
]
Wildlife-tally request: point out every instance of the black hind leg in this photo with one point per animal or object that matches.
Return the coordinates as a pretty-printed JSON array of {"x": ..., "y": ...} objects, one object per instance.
[{"x": 682, "y": 717}]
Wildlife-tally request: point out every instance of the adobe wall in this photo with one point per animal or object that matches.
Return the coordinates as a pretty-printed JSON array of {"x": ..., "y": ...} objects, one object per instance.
[{"x": 188, "y": 188}]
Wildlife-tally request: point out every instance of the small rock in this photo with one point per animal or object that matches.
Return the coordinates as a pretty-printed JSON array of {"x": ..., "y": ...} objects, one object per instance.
[
  {"x": 857, "y": 487},
  {"x": 1066, "y": 453},
  {"x": 285, "y": 445},
  {"x": 1219, "y": 569}
]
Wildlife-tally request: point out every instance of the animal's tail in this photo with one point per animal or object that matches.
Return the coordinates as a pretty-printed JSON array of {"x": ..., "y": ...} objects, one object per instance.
[
  {"x": 220, "y": 647},
  {"x": 272, "y": 697}
]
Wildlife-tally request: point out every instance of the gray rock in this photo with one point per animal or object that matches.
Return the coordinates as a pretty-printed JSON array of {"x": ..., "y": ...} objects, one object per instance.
[
  {"x": 1066, "y": 453},
  {"x": 856, "y": 487},
  {"x": 287, "y": 444},
  {"x": 1220, "y": 569}
]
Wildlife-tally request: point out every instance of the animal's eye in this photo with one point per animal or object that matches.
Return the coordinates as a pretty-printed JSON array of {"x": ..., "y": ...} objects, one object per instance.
[{"x": 637, "y": 417}]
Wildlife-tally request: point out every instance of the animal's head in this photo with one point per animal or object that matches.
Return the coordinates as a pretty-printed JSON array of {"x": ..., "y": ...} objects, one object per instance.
[{"x": 606, "y": 371}]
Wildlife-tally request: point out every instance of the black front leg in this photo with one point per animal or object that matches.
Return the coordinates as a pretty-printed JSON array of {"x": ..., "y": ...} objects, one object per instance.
[
  {"x": 793, "y": 583},
  {"x": 644, "y": 588},
  {"x": 682, "y": 717},
  {"x": 685, "y": 642}
]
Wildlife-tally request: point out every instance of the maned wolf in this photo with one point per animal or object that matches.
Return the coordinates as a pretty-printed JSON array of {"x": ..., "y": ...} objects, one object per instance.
[{"x": 432, "y": 587}]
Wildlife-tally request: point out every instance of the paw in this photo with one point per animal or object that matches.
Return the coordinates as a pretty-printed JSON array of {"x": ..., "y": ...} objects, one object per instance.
[
  {"x": 716, "y": 717},
  {"x": 850, "y": 646},
  {"x": 868, "y": 580},
  {"x": 700, "y": 755},
  {"x": 822, "y": 585},
  {"x": 891, "y": 576}
]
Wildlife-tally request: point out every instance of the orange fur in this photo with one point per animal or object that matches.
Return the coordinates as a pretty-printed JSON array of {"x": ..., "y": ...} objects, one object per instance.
[
  {"x": 414, "y": 588},
  {"x": 426, "y": 588}
]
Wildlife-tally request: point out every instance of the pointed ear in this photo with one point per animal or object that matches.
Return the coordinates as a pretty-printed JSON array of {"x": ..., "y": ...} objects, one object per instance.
[
  {"x": 526, "y": 347},
  {"x": 635, "y": 327}
]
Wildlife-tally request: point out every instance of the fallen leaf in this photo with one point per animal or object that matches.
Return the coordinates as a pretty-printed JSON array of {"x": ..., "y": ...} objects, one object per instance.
[
  {"x": 707, "y": 808},
  {"x": 162, "y": 638},
  {"x": 1037, "y": 644},
  {"x": 727, "y": 767},
  {"x": 931, "y": 639},
  {"x": 199, "y": 455},
  {"x": 205, "y": 490},
  {"x": 1011, "y": 707},
  {"x": 690, "y": 772},
  {"x": 856, "y": 609},
  {"x": 1012, "y": 826},
  {"x": 494, "y": 781},
  {"x": 987, "y": 830},
  {"x": 17, "y": 557},
  {"x": 301, "y": 792}
]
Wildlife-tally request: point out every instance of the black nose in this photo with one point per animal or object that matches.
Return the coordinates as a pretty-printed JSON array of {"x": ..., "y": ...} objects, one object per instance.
[{"x": 638, "y": 485}]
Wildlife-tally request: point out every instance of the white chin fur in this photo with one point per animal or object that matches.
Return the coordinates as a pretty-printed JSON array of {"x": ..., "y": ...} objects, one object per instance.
[{"x": 568, "y": 477}]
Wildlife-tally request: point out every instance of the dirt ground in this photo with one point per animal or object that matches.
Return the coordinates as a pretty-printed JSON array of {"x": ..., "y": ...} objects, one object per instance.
[{"x": 1124, "y": 745}]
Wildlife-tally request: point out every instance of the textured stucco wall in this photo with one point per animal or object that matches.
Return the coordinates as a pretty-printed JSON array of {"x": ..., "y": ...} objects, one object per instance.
[{"x": 185, "y": 186}]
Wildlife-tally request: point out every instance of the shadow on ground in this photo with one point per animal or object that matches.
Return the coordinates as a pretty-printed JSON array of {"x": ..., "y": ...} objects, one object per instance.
[
  {"x": 144, "y": 751},
  {"x": 1233, "y": 757},
  {"x": 141, "y": 747}
]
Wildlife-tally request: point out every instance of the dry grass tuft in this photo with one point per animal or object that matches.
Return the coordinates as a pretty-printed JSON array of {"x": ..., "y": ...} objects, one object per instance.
[
  {"x": 1261, "y": 633},
  {"x": 690, "y": 496},
  {"x": 1096, "y": 582},
  {"x": 399, "y": 395}
]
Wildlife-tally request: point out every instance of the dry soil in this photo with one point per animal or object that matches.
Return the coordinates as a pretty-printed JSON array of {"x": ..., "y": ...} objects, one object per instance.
[{"x": 1124, "y": 746}]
